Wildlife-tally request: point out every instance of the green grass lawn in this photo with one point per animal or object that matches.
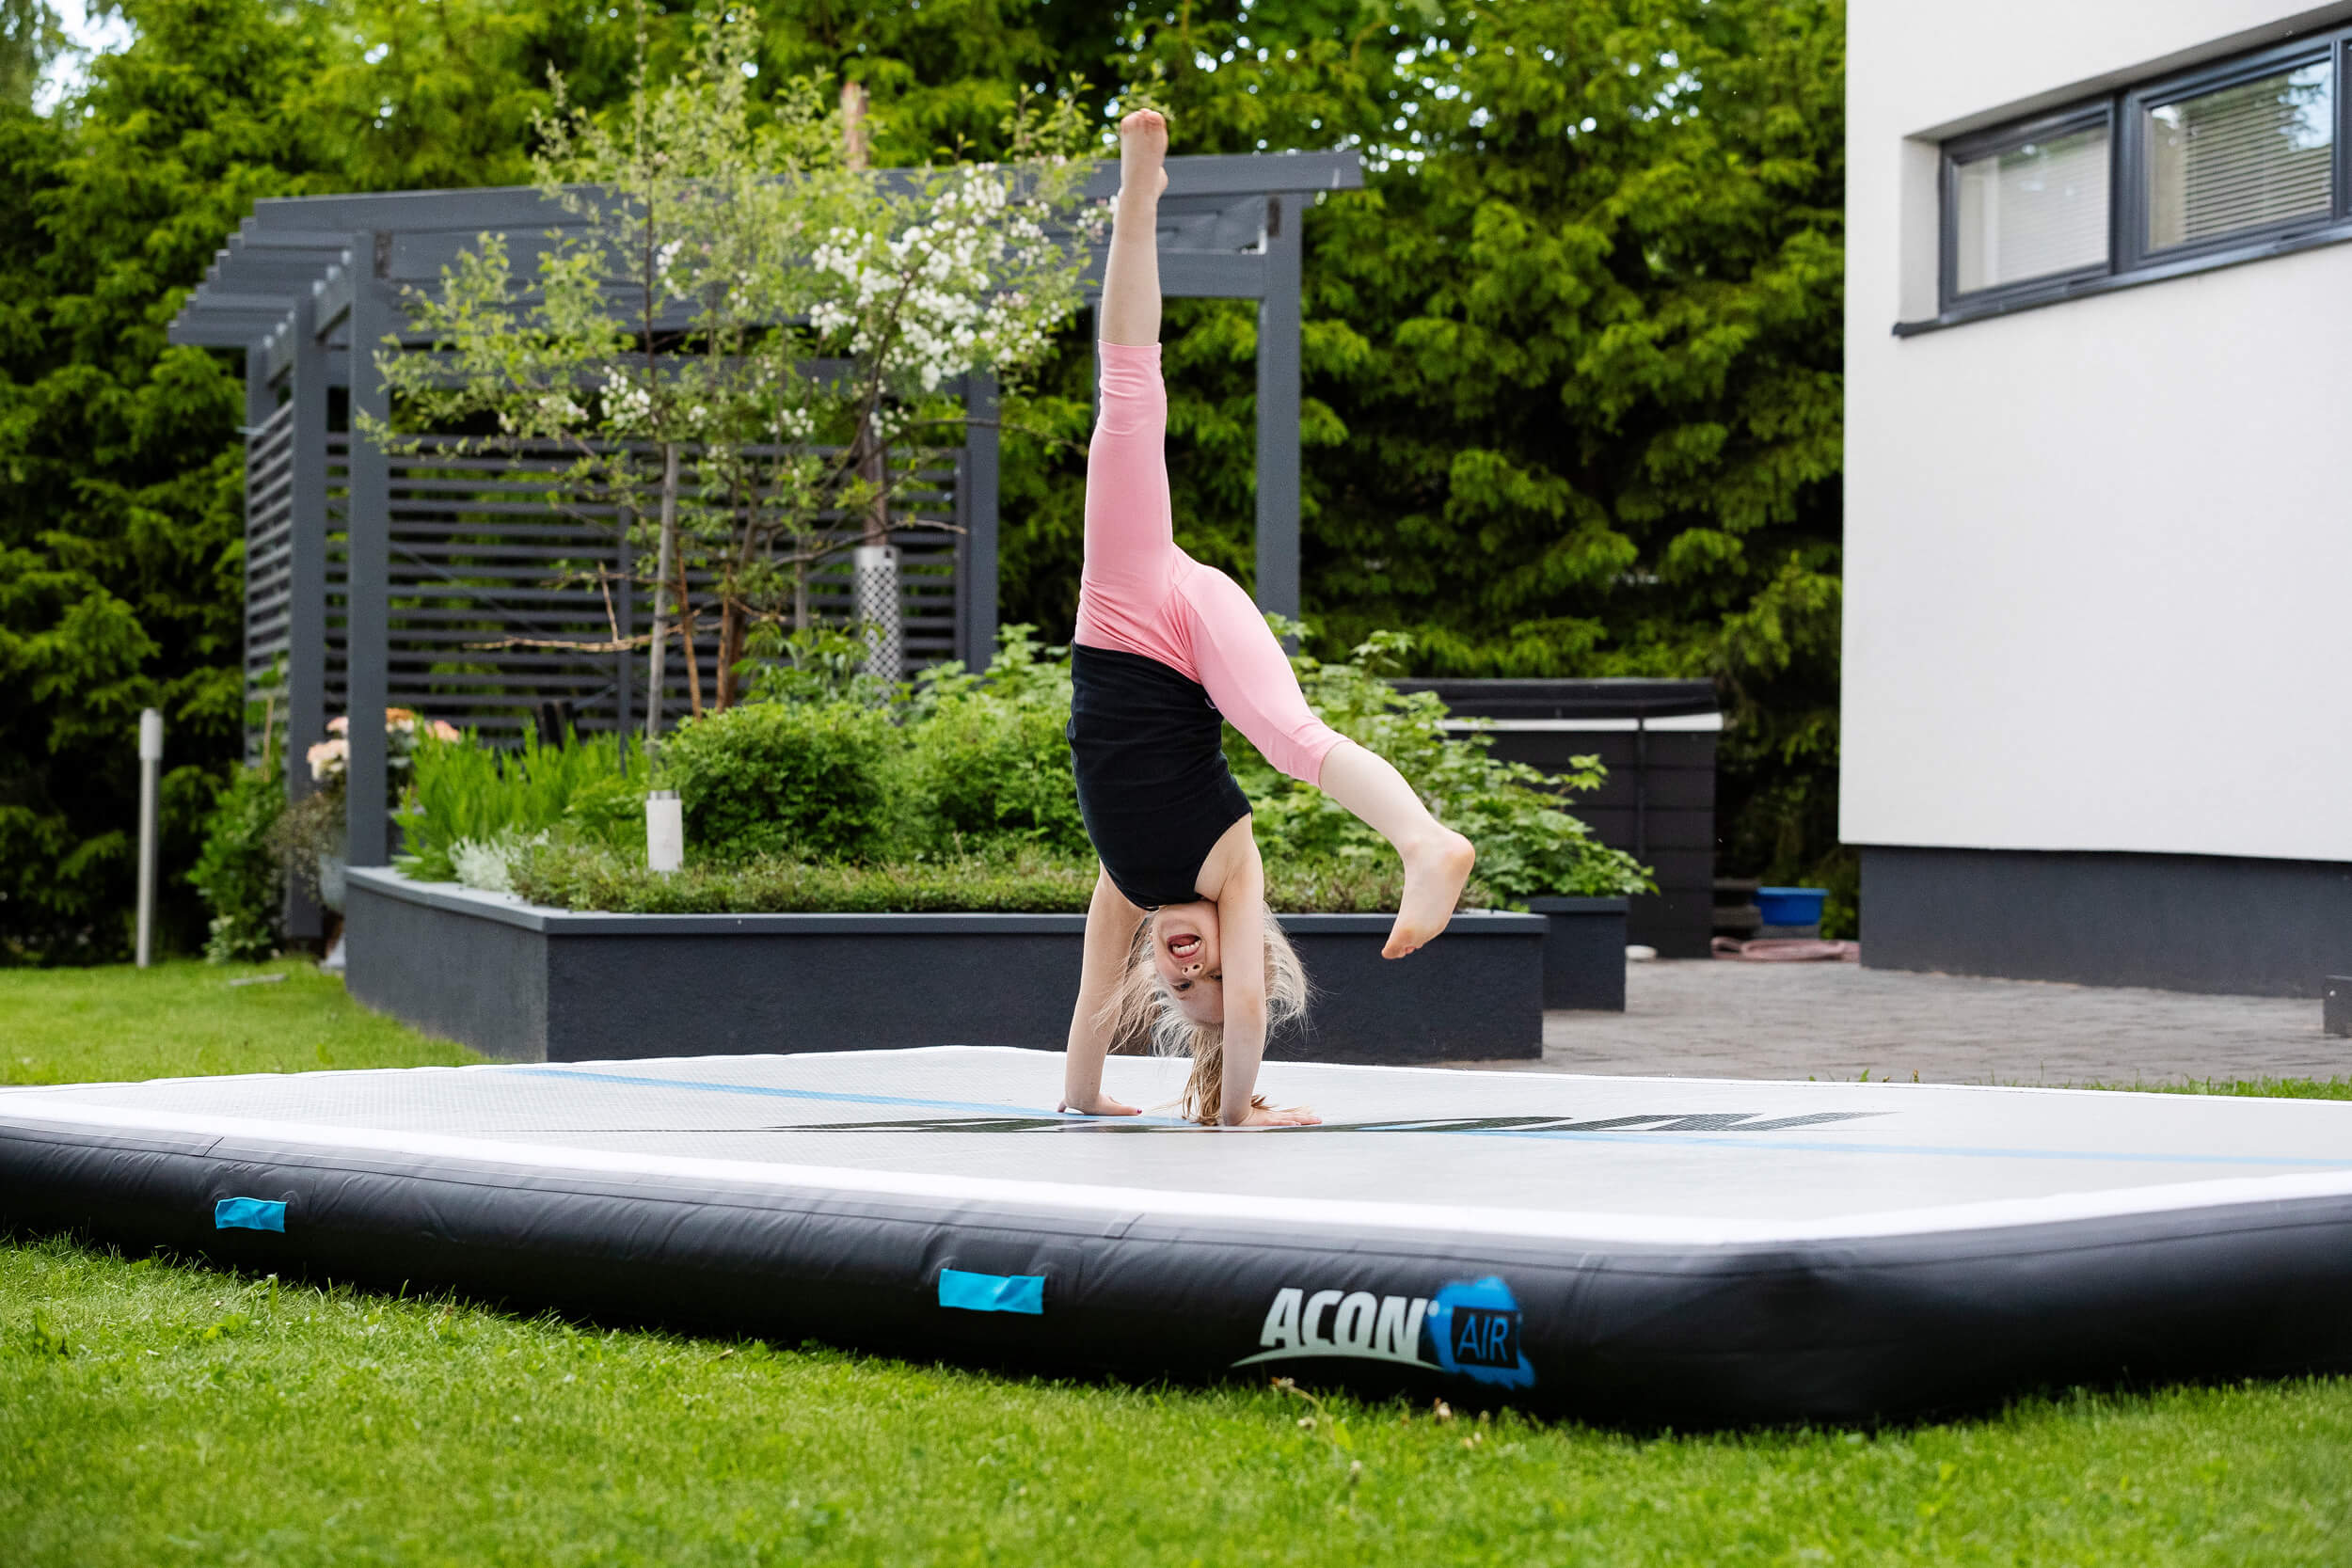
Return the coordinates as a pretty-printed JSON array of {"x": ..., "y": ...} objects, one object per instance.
[
  {"x": 178, "y": 1020},
  {"x": 154, "y": 1413}
]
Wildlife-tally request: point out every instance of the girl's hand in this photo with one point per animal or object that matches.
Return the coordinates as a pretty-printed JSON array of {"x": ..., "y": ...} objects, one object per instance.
[
  {"x": 1100, "y": 1106},
  {"x": 1263, "y": 1115}
]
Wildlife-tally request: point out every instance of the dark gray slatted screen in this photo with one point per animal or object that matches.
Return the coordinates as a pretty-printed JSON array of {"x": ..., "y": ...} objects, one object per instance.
[
  {"x": 504, "y": 594},
  {"x": 268, "y": 555}
]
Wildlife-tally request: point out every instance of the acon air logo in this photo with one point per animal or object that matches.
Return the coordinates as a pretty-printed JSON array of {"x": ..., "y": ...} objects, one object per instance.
[{"x": 1470, "y": 1328}]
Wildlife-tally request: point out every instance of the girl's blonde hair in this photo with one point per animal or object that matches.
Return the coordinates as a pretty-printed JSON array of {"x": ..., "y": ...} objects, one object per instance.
[{"x": 1144, "y": 1009}]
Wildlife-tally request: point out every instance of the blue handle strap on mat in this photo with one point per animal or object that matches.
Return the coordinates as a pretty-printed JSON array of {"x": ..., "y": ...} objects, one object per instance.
[
  {"x": 248, "y": 1214},
  {"x": 991, "y": 1292}
]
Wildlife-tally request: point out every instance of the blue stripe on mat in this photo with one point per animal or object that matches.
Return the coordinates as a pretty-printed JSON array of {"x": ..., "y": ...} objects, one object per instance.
[
  {"x": 1679, "y": 1140},
  {"x": 832, "y": 1097},
  {"x": 248, "y": 1214},
  {"x": 991, "y": 1292}
]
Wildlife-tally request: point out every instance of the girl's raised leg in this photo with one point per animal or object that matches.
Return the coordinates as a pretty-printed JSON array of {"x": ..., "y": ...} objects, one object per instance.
[
  {"x": 1249, "y": 679},
  {"x": 1437, "y": 859},
  {"x": 1130, "y": 308}
]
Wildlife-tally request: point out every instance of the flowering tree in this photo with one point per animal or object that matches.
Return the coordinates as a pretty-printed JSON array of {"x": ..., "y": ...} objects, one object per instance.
[{"x": 736, "y": 323}]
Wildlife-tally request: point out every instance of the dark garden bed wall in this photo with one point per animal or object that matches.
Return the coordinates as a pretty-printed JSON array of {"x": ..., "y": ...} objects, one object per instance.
[{"x": 527, "y": 983}]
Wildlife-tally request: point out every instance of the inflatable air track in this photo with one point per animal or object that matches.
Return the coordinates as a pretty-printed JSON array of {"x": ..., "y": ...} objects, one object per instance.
[{"x": 1653, "y": 1251}]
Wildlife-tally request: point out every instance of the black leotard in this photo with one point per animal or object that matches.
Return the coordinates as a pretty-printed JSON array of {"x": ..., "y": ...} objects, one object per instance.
[{"x": 1152, "y": 783}]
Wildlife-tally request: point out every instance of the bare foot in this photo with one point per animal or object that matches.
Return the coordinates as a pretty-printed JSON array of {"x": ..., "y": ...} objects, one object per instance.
[
  {"x": 1143, "y": 152},
  {"x": 1435, "y": 871},
  {"x": 1100, "y": 1106}
]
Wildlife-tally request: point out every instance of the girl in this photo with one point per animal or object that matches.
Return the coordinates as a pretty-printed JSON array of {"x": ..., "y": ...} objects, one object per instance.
[{"x": 1179, "y": 940}]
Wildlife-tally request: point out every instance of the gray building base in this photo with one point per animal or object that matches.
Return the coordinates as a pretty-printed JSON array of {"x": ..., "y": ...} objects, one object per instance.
[
  {"x": 531, "y": 984},
  {"x": 2200, "y": 923}
]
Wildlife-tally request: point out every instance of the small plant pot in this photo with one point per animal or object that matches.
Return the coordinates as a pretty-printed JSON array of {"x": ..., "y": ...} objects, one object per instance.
[{"x": 1790, "y": 912}]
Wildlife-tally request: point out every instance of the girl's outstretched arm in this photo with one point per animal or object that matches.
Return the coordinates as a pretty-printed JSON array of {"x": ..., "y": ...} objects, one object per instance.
[
  {"x": 1130, "y": 307},
  {"x": 1241, "y": 942},
  {"x": 1111, "y": 923}
]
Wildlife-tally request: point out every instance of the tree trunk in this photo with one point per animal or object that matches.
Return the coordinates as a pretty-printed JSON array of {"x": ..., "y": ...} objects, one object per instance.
[
  {"x": 873, "y": 468},
  {"x": 730, "y": 650},
  {"x": 662, "y": 606},
  {"x": 686, "y": 647}
]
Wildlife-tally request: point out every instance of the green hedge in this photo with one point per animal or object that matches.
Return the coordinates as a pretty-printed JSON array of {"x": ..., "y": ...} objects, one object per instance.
[{"x": 572, "y": 876}]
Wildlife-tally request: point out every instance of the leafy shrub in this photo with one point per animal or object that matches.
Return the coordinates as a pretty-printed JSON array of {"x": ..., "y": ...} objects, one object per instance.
[
  {"x": 990, "y": 755},
  {"x": 814, "y": 781},
  {"x": 237, "y": 872},
  {"x": 809, "y": 664},
  {"x": 940, "y": 788},
  {"x": 470, "y": 807},
  {"x": 1527, "y": 844}
]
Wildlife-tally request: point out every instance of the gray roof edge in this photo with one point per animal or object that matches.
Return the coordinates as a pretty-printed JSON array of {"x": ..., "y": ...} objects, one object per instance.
[{"x": 322, "y": 224}]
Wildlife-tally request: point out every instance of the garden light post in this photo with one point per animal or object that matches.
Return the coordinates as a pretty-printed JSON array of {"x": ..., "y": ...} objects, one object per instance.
[
  {"x": 151, "y": 776},
  {"x": 665, "y": 831}
]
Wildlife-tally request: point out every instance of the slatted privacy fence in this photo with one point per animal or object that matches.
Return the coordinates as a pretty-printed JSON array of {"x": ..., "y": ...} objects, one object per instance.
[
  {"x": 507, "y": 591},
  {"x": 268, "y": 562}
]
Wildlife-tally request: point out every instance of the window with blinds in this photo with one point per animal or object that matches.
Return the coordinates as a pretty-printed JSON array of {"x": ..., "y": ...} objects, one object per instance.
[
  {"x": 2238, "y": 159},
  {"x": 2252, "y": 155},
  {"x": 2031, "y": 210}
]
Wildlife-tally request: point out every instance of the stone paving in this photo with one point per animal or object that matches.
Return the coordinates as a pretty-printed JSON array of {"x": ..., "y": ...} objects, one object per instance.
[{"x": 1717, "y": 1019}]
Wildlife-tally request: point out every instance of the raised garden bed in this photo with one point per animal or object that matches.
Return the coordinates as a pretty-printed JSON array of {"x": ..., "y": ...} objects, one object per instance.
[
  {"x": 528, "y": 983},
  {"x": 1584, "y": 952}
]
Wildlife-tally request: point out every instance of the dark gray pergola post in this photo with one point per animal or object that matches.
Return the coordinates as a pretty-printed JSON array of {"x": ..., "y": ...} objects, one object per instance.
[
  {"x": 367, "y": 615},
  {"x": 306, "y": 571},
  {"x": 981, "y": 452},
  {"x": 1277, "y": 409}
]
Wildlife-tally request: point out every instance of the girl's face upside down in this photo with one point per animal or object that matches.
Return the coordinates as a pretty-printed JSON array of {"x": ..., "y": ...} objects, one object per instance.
[{"x": 1185, "y": 949}]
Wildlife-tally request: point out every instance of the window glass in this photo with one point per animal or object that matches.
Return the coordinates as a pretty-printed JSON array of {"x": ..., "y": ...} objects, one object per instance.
[
  {"x": 2244, "y": 157},
  {"x": 2032, "y": 210}
]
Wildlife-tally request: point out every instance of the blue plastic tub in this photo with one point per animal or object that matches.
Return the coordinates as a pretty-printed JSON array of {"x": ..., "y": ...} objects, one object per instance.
[{"x": 1790, "y": 906}]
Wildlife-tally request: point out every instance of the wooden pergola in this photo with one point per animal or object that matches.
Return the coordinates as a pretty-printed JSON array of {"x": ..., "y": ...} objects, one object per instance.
[{"x": 329, "y": 516}]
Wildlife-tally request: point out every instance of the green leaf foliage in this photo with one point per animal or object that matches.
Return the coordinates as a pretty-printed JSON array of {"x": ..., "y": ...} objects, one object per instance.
[
  {"x": 119, "y": 535},
  {"x": 1527, "y": 844},
  {"x": 237, "y": 872},
  {"x": 807, "y": 780},
  {"x": 961, "y": 781},
  {"x": 469, "y": 796},
  {"x": 1022, "y": 881},
  {"x": 1571, "y": 403},
  {"x": 1572, "y": 399},
  {"x": 990, "y": 758}
]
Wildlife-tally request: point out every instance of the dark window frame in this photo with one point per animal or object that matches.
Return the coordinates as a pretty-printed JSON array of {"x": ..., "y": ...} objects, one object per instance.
[
  {"x": 2099, "y": 114},
  {"x": 2132, "y": 250},
  {"x": 2129, "y": 262}
]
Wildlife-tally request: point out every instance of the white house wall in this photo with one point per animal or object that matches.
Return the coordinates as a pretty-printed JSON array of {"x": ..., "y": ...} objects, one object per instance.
[{"x": 2099, "y": 554}]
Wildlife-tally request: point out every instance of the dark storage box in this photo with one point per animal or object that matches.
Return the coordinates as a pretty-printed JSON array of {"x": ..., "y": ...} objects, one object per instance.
[
  {"x": 1583, "y": 953},
  {"x": 1657, "y": 738}
]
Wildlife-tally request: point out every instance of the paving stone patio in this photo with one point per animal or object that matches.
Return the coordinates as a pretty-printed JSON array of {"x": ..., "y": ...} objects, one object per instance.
[{"x": 1703, "y": 1019}]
